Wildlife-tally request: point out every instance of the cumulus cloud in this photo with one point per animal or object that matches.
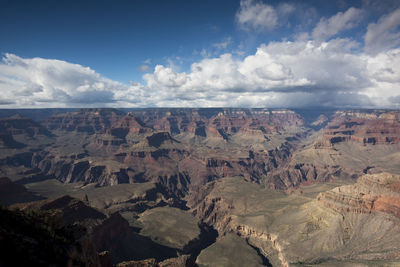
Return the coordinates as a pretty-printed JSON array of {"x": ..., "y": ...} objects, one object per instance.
[
  {"x": 165, "y": 76},
  {"x": 383, "y": 35},
  {"x": 54, "y": 82},
  {"x": 327, "y": 28},
  {"x": 385, "y": 67},
  {"x": 256, "y": 15},
  {"x": 283, "y": 73}
]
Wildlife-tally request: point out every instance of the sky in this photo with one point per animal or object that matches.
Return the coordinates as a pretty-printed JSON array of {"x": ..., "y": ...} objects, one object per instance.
[{"x": 180, "y": 53}]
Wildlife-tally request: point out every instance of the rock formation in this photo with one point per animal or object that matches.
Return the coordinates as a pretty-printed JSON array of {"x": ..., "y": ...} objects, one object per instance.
[
  {"x": 371, "y": 193},
  {"x": 364, "y": 128},
  {"x": 85, "y": 120},
  {"x": 263, "y": 176}
]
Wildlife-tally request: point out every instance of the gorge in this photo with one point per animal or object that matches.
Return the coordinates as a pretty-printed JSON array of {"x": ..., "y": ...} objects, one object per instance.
[{"x": 193, "y": 186}]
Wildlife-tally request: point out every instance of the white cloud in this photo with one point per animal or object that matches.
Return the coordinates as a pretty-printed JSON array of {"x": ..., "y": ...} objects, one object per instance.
[
  {"x": 327, "y": 28},
  {"x": 384, "y": 34},
  {"x": 166, "y": 77},
  {"x": 385, "y": 67},
  {"x": 54, "y": 82},
  {"x": 384, "y": 73},
  {"x": 284, "y": 74},
  {"x": 256, "y": 15}
]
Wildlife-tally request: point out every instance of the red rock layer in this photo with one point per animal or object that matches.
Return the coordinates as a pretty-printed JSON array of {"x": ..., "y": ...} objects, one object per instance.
[
  {"x": 223, "y": 123},
  {"x": 128, "y": 124},
  {"x": 364, "y": 128},
  {"x": 17, "y": 125},
  {"x": 372, "y": 192},
  {"x": 85, "y": 120}
]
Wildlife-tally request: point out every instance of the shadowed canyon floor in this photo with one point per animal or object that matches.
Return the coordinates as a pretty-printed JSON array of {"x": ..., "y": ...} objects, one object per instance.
[{"x": 207, "y": 187}]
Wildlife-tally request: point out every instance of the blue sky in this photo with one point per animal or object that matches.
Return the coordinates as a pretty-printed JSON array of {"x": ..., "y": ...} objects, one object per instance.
[
  {"x": 200, "y": 53},
  {"x": 114, "y": 37}
]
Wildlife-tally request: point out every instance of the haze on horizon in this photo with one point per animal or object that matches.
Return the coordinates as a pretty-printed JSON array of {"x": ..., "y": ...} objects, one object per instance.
[{"x": 248, "y": 53}]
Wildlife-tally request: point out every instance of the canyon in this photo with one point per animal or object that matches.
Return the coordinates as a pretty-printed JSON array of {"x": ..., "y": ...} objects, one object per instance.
[{"x": 209, "y": 186}]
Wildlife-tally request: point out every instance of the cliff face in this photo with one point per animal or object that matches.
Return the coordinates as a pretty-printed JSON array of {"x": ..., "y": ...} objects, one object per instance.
[
  {"x": 363, "y": 128},
  {"x": 128, "y": 125},
  {"x": 353, "y": 223},
  {"x": 219, "y": 122},
  {"x": 15, "y": 131},
  {"x": 294, "y": 175},
  {"x": 84, "y": 120},
  {"x": 352, "y": 144},
  {"x": 17, "y": 125},
  {"x": 371, "y": 193},
  {"x": 253, "y": 123}
]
